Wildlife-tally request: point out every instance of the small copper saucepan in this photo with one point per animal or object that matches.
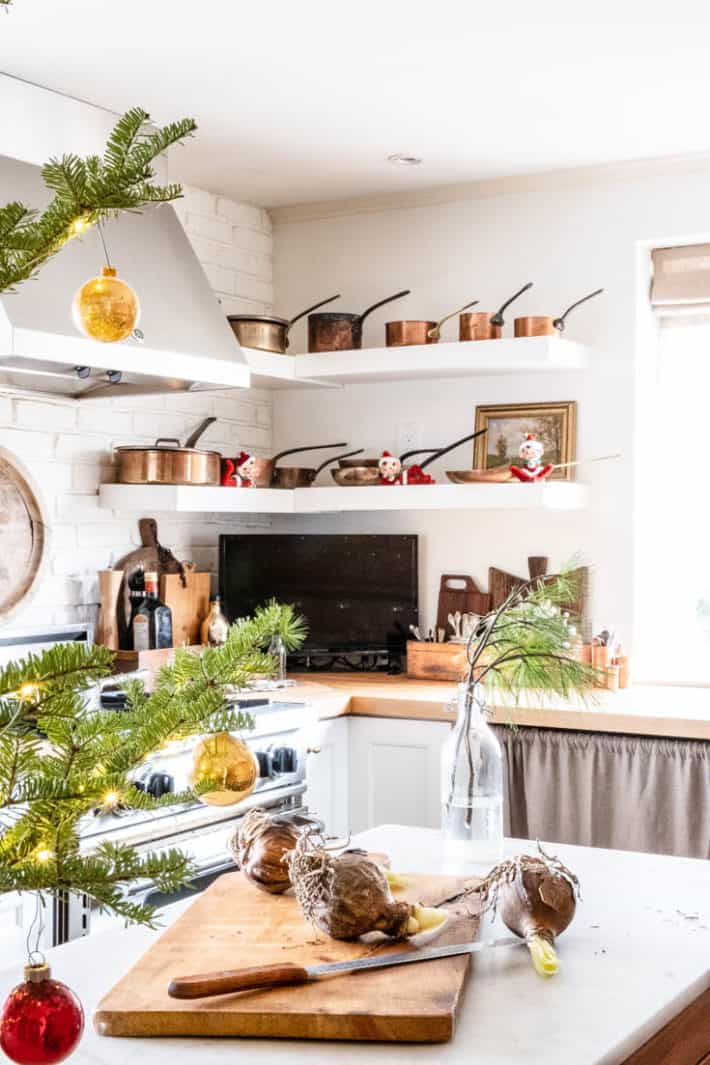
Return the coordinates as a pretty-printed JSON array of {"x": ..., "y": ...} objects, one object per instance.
[
  {"x": 264, "y": 468},
  {"x": 482, "y": 325},
  {"x": 335, "y": 331},
  {"x": 411, "y": 331},
  {"x": 303, "y": 477},
  {"x": 542, "y": 325},
  {"x": 265, "y": 332}
]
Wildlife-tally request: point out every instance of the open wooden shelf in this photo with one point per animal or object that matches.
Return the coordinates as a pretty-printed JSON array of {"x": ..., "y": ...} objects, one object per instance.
[
  {"x": 420, "y": 361},
  {"x": 550, "y": 495}
]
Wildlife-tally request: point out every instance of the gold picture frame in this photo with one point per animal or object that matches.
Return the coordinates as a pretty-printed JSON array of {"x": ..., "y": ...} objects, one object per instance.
[{"x": 554, "y": 424}]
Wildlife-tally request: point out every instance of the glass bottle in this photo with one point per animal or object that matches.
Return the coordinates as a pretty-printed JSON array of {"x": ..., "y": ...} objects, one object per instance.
[
  {"x": 472, "y": 784},
  {"x": 153, "y": 620},
  {"x": 214, "y": 630},
  {"x": 277, "y": 648},
  {"x": 136, "y": 595}
]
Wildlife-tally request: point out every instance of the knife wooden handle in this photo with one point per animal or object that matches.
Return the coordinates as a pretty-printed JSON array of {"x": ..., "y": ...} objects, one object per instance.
[{"x": 229, "y": 980}]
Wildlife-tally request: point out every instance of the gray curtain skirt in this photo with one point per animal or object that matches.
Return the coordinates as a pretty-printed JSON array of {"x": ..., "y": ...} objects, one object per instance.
[{"x": 599, "y": 789}]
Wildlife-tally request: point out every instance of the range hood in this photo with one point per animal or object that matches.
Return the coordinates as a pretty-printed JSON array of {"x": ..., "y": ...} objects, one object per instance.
[{"x": 187, "y": 342}]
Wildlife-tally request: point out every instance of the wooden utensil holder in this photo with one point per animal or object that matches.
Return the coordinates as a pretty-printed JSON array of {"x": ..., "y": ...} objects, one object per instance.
[{"x": 436, "y": 661}]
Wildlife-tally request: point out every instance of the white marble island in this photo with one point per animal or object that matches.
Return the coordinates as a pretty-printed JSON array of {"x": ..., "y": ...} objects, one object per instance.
[{"x": 636, "y": 955}]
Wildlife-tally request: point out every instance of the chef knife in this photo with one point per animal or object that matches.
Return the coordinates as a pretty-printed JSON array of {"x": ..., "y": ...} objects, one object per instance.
[{"x": 263, "y": 976}]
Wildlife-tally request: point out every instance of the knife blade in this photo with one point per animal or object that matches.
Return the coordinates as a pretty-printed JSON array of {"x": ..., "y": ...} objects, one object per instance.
[{"x": 265, "y": 976}]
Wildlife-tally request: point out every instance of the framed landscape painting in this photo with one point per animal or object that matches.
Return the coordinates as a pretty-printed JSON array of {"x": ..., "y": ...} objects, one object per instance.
[{"x": 554, "y": 425}]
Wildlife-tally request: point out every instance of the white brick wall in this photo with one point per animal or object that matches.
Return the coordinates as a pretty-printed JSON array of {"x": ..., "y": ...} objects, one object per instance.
[{"x": 67, "y": 447}]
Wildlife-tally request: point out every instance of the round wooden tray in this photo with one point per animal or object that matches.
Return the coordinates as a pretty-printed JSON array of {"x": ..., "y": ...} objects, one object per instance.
[{"x": 22, "y": 535}]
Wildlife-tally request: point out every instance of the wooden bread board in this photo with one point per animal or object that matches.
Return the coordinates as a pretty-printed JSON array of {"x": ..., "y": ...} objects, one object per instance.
[
  {"x": 189, "y": 604},
  {"x": 232, "y": 924},
  {"x": 459, "y": 592}
]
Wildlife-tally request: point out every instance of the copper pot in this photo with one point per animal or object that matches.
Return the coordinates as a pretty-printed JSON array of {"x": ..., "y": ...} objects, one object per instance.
[
  {"x": 411, "y": 331},
  {"x": 266, "y": 332},
  {"x": 303, "y": 477},
  {"x": 482, "y": 325},
  {"x": 264, "y": 468},
  {"x": 542, "y": 325},
  {"x": 169, "y": 462},
  {"x": 333, "y": 331}
]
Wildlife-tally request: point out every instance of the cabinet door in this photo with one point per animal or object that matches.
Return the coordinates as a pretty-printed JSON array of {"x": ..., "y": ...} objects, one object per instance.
[
  {"x": 395, "y": 772},
  {"x": 327, "y": 775}
]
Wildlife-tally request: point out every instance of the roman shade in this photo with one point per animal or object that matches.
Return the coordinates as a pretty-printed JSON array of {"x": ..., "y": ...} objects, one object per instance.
[{"x": 681, "y": 280}]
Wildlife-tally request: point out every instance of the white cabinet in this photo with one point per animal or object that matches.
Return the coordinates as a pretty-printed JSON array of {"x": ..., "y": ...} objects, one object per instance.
[
  {"x": 395, "y": 772},
  {"x": 327, "y": 774}
]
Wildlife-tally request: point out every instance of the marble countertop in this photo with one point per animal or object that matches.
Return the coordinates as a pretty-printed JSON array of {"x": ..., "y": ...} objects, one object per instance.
[
  {"x": 643, "y": 710},
  {"x": 637, "y": 953}
]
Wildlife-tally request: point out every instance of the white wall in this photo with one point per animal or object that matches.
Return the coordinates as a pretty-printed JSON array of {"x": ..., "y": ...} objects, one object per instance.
[
  {"x": 569, "y": 239},
  {"x": 67, "y": 446}
]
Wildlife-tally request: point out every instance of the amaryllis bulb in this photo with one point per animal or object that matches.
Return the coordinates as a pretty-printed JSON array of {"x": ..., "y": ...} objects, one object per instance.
[{"x": 106, "y": 308}]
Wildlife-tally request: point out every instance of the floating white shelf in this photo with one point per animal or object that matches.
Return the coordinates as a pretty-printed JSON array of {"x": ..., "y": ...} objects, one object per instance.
[
  {"x": 271, "y": 370},
  {"x": 552, "y": 495}
]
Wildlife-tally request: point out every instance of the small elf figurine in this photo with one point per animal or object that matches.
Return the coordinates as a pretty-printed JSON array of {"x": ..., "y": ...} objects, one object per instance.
[
  {"x": 531, "y": 468},
  {"x": 416, "y": 475},
  {"x": 245, "y": 470},
  {"x": 390, "y": 469}
]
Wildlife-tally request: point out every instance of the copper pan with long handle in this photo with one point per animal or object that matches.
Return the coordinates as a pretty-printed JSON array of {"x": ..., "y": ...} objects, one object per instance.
[
  {"x": 338, "y": 331},
  {"x": 414, "y": 331},
  {"x": 266, "y": 332},
  {"x": 544, "y": 325},
  {"x": 264, "y": 468},
  {"x": 302, "y": 476},
  {"x": 482, "y": 325}
]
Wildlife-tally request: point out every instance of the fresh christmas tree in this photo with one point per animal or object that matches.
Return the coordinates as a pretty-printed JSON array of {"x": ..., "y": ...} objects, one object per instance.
[{"x": 60, "y": 761}]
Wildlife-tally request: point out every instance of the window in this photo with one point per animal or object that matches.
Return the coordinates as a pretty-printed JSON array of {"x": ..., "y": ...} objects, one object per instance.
[{"x": 673, "y": 483}]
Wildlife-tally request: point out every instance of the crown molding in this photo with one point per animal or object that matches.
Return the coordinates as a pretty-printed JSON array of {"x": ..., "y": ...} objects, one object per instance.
[{"x": 490, "y": 187}]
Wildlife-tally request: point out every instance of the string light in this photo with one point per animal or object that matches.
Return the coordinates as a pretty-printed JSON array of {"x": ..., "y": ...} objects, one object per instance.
[
  {"x": 44, "y": 855},
  {"x": 80, "y": 225},
  {"x": 111, "y": 799},
  {"x": 28, "y": 691}
]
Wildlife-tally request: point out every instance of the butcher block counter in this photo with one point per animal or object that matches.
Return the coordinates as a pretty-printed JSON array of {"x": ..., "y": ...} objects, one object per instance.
[
  {"x": 643, "y": 710},
  {"x": 635, "y": 960}
]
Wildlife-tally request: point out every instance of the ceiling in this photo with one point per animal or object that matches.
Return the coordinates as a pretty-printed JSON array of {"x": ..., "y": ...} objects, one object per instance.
[{"x": 303, "y": 102}]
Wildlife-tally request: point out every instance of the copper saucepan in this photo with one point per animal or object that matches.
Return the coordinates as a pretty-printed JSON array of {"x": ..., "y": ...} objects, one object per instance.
[
  {"x": 482, "y": 325},
  {"x": 542, "y": 325},
  {"x": 264, "y": 468},
  {"x": 303, "y": 477},
  {"x": 411, "y": 331},
  {"x": 265, "y": 332},
  {"x": 167, "y": 461},
  {"x": 335, "y": 331}
]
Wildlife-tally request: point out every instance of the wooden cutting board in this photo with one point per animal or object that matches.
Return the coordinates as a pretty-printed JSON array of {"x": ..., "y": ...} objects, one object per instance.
[
  {"x": 459, "y": 592},
  {"x": 189, "y": 604},
  {"x": 232, "y": 924}
]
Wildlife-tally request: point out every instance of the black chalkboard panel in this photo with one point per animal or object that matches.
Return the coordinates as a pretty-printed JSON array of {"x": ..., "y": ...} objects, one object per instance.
[{"x": 356, "y": 592}]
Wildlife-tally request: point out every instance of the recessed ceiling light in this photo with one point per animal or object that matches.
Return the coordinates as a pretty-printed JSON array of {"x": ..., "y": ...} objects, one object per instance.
[{"x": 404, "y": 159}]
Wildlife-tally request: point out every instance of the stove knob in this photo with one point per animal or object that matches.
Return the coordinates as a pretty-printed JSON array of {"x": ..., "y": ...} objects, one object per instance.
[
  {"x": 160, "y": 784},
  {"x": 264, "y": 760},
  {"x": 284, "y": 760}
]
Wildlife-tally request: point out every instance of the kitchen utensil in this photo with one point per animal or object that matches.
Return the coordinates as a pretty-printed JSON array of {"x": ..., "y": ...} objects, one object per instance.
[
  {"x": 360, "y": 472},
  {"x": 303, "y": 477},
  {"x": 170, "y": 462},
  {"x": 454, "y": 621},
  {"x": 482, "y": 325},
  {"x": 436, "y": 661},
  {"x": 230, "y": 920},
  {"x": 266, "y": 332},
  {"x": 264, "y": 468},
  {"x": 337, "y": 331},
  {"x": 107, "y": 631},
  {"x": 450, "y": 447},
  {"x": 415, "y": 632},
  {"x": 459, "y": 592},
  {"x": 496, "y": 475},
  {"x": 189, "y": 603},
  {"x": 226, "y": 982},
  {"x": 540, "y": 325},
  {"x": 410, "y": 331}
]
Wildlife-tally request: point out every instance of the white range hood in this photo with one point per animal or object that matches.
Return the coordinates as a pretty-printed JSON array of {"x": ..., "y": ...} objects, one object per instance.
[{"x": 187, "y": 343}]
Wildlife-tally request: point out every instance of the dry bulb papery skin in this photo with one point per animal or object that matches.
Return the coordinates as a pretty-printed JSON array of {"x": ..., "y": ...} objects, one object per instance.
[
  {"x": 536, "y": 896},
  {"x": 348, "y": 895},
  {"x": 260, "y": 846}
]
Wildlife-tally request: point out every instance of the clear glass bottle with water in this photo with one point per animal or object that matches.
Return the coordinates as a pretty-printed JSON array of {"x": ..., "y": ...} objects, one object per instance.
[
  {"x": 277, "y": 648},
  {"x": 472, "y": 784}
]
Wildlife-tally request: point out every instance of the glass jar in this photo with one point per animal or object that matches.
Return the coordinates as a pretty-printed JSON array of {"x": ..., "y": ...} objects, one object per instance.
[
  {"x": 277, "y": 648},
  {"x": 472, "y": 784}
]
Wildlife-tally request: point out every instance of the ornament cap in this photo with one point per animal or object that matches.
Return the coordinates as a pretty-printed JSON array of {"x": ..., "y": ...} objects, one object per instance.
[
  {"x": 108, "y": 271},
  {"x": 35, "y": 974}
]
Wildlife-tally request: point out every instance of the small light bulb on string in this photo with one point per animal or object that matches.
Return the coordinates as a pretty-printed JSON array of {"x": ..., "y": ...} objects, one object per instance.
[
  {"x": 44, "y": 855},
  {"x": 79, "y": 226},
  {"x": 106, "y": 308},
  {"x": 111, "y": 800}
]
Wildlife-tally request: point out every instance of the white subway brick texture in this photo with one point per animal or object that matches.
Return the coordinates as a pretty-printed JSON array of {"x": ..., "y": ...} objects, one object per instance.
[{"x": 67, "y": 448}]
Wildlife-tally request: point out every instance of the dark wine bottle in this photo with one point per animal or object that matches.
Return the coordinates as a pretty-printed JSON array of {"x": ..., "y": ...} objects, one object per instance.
[
  {"x": 136, "y": 595},
  {"x": 153, "y": 621}
]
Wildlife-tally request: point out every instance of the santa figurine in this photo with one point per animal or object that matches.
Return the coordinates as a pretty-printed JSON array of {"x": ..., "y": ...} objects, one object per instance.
[
  {"x": 390, "y": 469},
  {"x": 531, "y": 468},
  {"x": 245, "y": 470}
]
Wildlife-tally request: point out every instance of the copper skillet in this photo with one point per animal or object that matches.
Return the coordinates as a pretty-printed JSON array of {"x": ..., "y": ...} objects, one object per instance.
[
  {"x": 361, "y": 472},
  {"x": 303, "y": 477},
  {"x": 264, "y": 468},
  {"x": 367, "y": 475}
]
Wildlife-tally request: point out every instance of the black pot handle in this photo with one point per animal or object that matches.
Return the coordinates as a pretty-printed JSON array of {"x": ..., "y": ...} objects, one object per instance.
[
  {"x": 497, "y": 318},
  {"x": 451, "y": 447},
  {"x": 559, "y": 323},
  {"x": 397, "y": 296},
  {"x": 313, "y": 308},
  {"x": 194, "y": 437},
  {"x": 313, "y": 447},
  {"x": 335, "y": 458}
]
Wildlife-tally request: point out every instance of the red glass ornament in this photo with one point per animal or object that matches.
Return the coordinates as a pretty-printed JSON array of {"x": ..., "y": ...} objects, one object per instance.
[{"x": 41, "y": 1021}]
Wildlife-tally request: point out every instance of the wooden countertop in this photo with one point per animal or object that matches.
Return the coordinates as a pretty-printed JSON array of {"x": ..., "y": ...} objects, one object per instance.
[{"x": 642, "y": 710}]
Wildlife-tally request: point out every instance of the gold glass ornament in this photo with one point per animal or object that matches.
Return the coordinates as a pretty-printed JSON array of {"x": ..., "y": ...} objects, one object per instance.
[
  {"x": 106, "y": 308},
  {"x": 229, "y": 761}
]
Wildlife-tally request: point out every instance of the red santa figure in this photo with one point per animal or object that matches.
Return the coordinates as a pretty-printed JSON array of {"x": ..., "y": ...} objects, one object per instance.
[
  {"x": 390, "y": 469},
  {"x": 245, "y": 470},
  {"x": 416, "y": 475},
  {"x": 531, "y": 468}
]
